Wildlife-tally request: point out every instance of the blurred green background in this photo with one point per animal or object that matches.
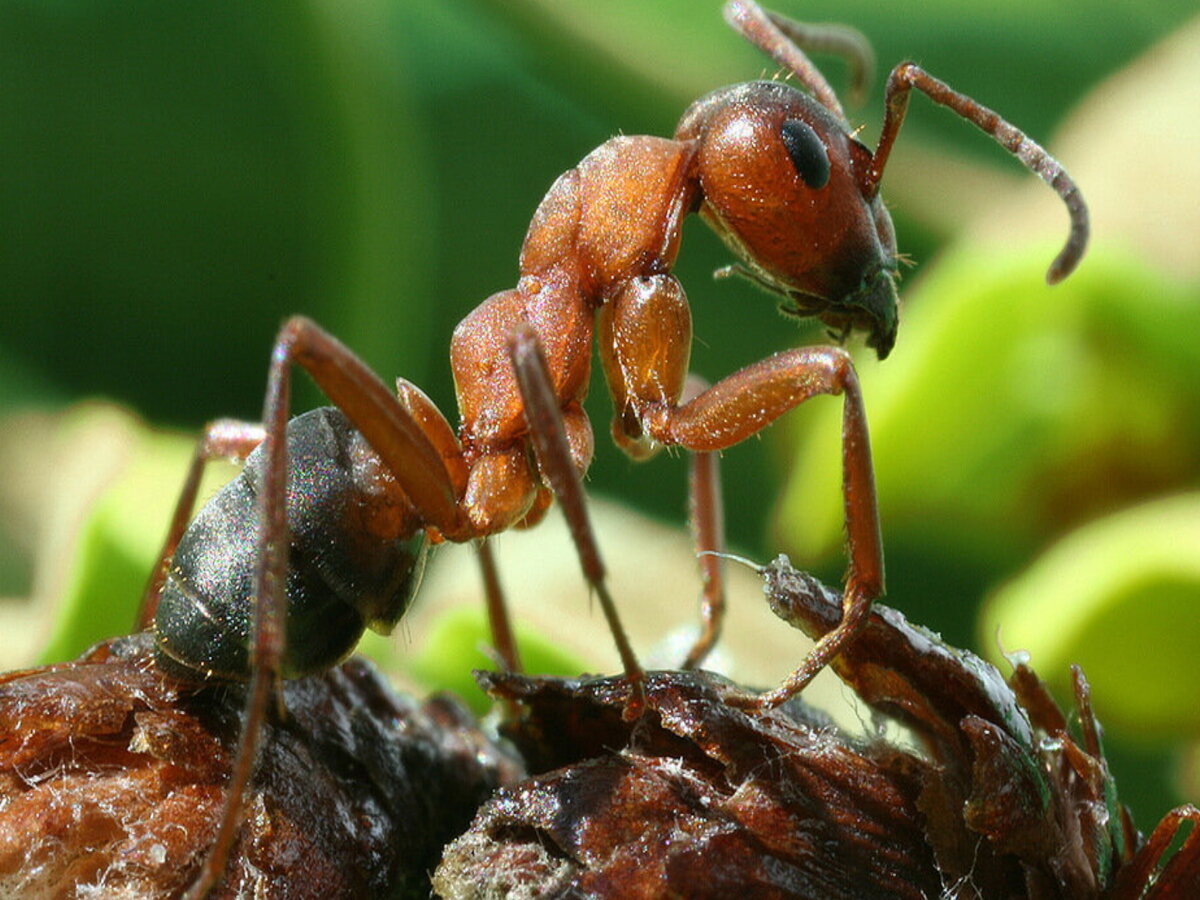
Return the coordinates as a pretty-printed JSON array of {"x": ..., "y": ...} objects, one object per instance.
[{"x": 175, "y": 179}]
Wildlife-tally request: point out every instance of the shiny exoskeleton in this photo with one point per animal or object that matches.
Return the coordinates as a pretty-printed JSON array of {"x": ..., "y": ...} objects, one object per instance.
[
  {"x": 355, "y": 559},
  {"x": 774, "y": 169}
]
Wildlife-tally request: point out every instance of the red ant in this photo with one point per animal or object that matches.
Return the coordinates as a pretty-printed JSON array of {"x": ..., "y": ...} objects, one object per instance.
[{"x": 775, "y": 171}]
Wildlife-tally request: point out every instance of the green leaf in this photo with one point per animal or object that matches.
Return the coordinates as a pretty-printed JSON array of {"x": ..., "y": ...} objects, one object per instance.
[
  {"x": 122, "y": 532},
  {"x": 1009, "y": 409},
  {"x": 1121, "y": 598},
  {"x": 456, "y": 643}
]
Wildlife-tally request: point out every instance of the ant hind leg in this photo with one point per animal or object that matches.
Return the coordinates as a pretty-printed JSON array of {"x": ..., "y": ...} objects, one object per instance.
[{"x": 407, "y": 451}]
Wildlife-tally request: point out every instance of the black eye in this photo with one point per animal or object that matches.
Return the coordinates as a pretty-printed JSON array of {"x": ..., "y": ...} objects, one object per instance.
[{"x": 807, "y": 152}]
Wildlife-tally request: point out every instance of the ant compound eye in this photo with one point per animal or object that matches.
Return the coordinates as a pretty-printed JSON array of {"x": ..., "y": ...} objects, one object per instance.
[{"x": 807, "y": 151}]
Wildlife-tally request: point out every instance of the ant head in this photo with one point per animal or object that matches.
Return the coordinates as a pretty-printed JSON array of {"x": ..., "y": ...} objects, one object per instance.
[{"x": 785, "y": 185}]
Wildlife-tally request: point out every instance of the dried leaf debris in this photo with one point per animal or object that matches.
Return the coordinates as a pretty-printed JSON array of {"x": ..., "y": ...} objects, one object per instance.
[
  {"x": 112, "y": 777},
  {"x": 699, "y": 799}
]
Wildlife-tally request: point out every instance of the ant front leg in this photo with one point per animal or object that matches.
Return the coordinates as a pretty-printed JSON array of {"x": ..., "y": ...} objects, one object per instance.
[
  {"x": 907, "y": 76},
  {"x": 646, "y": 335},
  {"x": 748, "y": 401},
  {"x": 226, "y": 439},
  {"x": 645, "y": 342}
]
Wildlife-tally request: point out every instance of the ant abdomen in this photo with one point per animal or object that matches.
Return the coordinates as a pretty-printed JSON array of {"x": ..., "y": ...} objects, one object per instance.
[{"x": 356, "y": 556}]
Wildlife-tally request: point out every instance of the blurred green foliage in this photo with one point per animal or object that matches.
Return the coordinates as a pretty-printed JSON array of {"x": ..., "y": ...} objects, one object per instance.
[
  {"x": 1010, "y": 413},
  {"x": 179, "y": 178},
  {"x": 1117, "y": 581},
  {"x": 175, "y": 179}
]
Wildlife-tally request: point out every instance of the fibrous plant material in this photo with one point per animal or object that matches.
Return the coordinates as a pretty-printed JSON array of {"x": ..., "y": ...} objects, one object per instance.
[
  {"x": 700, "y": 799},
  {"x": 112, "y": 777}
]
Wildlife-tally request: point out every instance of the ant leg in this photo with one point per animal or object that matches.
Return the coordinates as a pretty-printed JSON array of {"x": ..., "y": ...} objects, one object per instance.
[
  {"x": 547, "y": 432},
  {"x": 745, "y": 403},
  {"x": 269, "y": 613},
  {"x": 222, "y": 439},
  {"x": 441, "y": 435},
  {"x": 785, "y": 41},
  {"x": 398, "y": 435},
  {"x": 410, "y": 455},
  {"x": 1032, "y": 155},
  {"x": 645, "y": 331},
  {"x": 497, "y": 610},
  {"x": 707, "y": 517}
]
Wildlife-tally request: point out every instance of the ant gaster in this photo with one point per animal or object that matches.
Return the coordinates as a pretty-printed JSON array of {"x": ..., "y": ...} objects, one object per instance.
[{"x": 778, "y": 173}]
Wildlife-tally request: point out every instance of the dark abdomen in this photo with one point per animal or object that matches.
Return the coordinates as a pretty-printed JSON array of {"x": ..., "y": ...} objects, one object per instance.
[{"x": 356, "y": 554}]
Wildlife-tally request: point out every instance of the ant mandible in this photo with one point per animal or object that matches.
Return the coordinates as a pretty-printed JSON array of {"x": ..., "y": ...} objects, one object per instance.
[{"x": 778, "y": 174}]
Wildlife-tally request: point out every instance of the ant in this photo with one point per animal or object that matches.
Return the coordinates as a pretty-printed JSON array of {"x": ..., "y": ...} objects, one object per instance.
[{"x": 325, "y": 532}]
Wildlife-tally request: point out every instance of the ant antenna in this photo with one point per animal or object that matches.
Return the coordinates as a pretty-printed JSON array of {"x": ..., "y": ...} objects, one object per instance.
[{"x": 1032, "y": 155}]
